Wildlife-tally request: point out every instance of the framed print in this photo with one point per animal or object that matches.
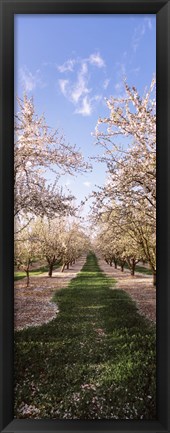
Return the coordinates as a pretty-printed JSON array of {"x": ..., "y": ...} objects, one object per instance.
[{"x": 85, "y": 216}]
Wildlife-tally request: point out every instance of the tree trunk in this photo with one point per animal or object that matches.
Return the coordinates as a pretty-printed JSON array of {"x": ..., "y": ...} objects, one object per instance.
[
  {"x": 122, "y": 267},
  {"x": 28, "y": 277},
  {"x": 63, "y": 267},
  {"x": 133, "y": 264},
  {"x": 110, "y": 262},
  {"x": 50, "y": 270},
  {"x": 154, "y": 278},
  {"x": 115, "y": 263},
  {"x": 68, "y": 265}
]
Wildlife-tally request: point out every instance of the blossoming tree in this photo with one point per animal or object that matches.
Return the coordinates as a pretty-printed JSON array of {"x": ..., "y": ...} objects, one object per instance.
[
  {"x": 38, "y": 149},
  {"x": 128, "y": 136}
]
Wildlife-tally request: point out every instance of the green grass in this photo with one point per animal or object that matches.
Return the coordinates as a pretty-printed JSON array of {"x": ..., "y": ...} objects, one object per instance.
[
  {"x": 96, "y": 360},
  {"x": 19, "y": 275},
  {"x": 143, "y": 270}
]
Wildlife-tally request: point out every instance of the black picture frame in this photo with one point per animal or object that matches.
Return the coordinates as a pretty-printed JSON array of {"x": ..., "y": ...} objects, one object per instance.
[{"x": 8, "y": 8}]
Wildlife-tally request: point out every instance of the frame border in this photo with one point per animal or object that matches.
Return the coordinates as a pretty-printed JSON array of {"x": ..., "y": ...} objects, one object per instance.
[{"x": 8, "y": 8}]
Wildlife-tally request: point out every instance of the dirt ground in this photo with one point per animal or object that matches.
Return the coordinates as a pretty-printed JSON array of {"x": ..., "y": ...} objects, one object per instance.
[
  {"x": 140, "y": 288},
  {"x": 32, "y": 305}
]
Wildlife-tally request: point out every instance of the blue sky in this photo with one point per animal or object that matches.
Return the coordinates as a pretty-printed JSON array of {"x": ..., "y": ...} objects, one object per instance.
[{"x": 70, "y": 63}]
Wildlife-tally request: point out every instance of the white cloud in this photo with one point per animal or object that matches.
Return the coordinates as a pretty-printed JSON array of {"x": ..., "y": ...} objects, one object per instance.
[
  {"x": 96, "y": 59},
  {"x": 63, "y": 86},
  {"x": 77, "y": 89},
  {"x": 67, "y": 66},
  {"x": 93, "y": 59},
  {"x": 139, "y": 32},
  {"x": 97, "y": 98},
  {"x": 106, "y": 83},
  {"x": 137, "y": 36},
  {"x": 80, "y": 87},
  {"x": 85, "y": 108},
  {"x": 87, "y": 184},
  {"x": 87, "y": 105},
  {"x": 149, "y": 23},
  {"x": 30, "y": 81},
  {"x": 77, "y": 92}
]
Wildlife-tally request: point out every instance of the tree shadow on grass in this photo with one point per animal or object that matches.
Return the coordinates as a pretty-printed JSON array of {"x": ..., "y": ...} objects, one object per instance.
[{"x": 95, "y": 360}]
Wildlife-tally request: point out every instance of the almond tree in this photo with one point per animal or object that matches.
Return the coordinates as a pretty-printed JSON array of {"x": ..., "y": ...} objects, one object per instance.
[
  {"x": 38, "y": 149},
  {"x": 75, "y": 243},
  {"x": 57, "y": 241},
  {"x": 117, "y": 242},
  {"x": 132, "y": 161},
  {"x": 25, "y": 251},
  {"x": 49, "y": 237},
  {"x": 131, "y": 166}
]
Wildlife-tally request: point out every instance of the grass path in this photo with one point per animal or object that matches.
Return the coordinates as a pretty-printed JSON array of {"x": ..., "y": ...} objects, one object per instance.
[
  {"x": 95, "y": 360},
  {"x": 33, "y": 305}
]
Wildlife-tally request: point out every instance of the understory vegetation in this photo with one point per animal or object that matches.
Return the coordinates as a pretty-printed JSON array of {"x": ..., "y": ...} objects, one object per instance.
[
  {"x": 18, "y": 275},
  {"x": 95, "y": 360}
]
